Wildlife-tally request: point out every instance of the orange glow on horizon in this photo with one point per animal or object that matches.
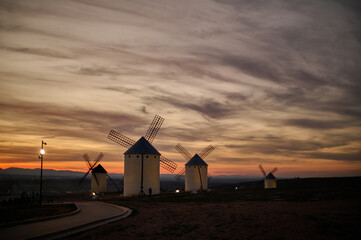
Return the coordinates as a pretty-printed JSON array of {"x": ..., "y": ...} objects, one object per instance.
[{"x": 310, "y": 170}]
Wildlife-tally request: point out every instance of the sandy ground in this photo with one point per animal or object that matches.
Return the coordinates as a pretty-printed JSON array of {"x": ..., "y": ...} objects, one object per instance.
[{"x": 234, "y": 219}]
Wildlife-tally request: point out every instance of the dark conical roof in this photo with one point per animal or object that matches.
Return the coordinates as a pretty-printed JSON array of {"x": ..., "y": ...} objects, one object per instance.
[
  {"x": 142, "y": 146},
  {"x": 195, "y": 161},
  {"x": 99, "y": 169},
  {"x": 270, "y": 176}
]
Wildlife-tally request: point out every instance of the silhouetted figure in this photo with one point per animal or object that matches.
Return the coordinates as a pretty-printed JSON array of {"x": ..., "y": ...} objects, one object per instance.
[{"x": 150, "y": 192}]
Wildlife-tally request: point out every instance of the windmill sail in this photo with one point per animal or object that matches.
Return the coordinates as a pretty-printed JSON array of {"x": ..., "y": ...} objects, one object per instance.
[
  {"x": 87, "y": 159},
  {"x": 180, "y": 174},
  {"x": 86, "y": 174},
  {"x": 113, "y": 183},
  {"x": 206, "y": 151},
  {"x": 98, "y": 158},
  {"x": 262, "y": 170},
  {"x": 90, "y": 166},
  {"x": 274, "y": 170},
  {"x": 87, "y": 162},
  {"x": 150, "y": 135},
  {"x": 210, "y": 177},
  {"x": 168, "y": 164},
  {"x": 183, "y": 151},
  {"x": 154, "y": 128},
  {"x": 120, "y": 139}
]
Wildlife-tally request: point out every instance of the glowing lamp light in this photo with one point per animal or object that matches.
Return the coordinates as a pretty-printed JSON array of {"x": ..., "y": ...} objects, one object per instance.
[
  {"x": 93, "y": 193},
  {"x": 42, "y": 151},
  {"x": 177, "y": 191}
]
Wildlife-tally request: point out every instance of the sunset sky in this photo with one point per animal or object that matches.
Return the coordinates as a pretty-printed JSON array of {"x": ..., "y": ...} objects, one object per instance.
[{"x": 271, "y": 82}]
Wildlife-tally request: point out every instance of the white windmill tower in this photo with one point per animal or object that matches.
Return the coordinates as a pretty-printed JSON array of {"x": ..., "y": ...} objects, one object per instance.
[
  {"x": 270, "y": 180},
  {"x": 142, "y": 161},
  {"x": 196, "y": 169},
  {"x": 99, "y": 175}
]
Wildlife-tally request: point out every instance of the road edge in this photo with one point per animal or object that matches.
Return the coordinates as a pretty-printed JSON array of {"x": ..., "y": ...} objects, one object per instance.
[
  {"x": 63, "y": 233},
  {"x": 41, "y": 219}
]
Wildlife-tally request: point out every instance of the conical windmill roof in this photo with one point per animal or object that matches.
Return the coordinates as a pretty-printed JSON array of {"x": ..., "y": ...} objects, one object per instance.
[
  {"x": 270, "y": 176},
  {"x": 99, "y": 169},
  {"x": 196, "y": 161},
  {"x": 142, "y": 146}
]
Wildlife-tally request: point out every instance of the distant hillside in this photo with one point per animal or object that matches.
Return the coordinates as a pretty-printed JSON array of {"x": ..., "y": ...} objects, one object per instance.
[
  {"x": 36, "y": 172},
  {"x": 46, "y": 173},
  {"x": 307, "y": 183},
  {"x": 51, "y": 173}
]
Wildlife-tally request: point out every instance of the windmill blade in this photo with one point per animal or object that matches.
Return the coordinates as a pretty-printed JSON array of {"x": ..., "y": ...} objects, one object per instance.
[
  {"x": 183, "y": 151},
  {"x": 122, "y": 180},
  {"x": 262, "y": 170},
  {"x": 274, "y": 170},
  {"x": 86, "y": 174},
  {"x": 99, "y": 157},
  {"x": 210, "y": 177},
  {"x": 167, "y": 164},
  {"x": 180, "y": 174},
  {"x": 180, "y": 178},
  {"x": 206, "y": 151},
  {"x": 87, "y": 160},
  {"x": 154, "y": 128},
  {"x": 96, "y": 179},
  {"x": 120, "y": 139},
  {"x": 113, "y": 182}
]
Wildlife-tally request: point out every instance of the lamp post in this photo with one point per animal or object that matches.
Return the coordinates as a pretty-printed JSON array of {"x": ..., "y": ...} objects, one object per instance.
[{"x": 42, "y": 152}]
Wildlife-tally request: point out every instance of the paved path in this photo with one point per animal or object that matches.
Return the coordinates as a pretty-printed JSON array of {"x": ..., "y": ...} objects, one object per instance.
[{"x": 92, "y": 214}]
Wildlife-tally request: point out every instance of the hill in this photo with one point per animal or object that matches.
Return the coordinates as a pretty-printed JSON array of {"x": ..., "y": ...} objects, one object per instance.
[{"x": 16, "y": 180}]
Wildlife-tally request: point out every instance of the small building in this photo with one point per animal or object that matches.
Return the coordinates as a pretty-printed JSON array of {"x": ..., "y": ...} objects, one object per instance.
[
  {"x": 196, "y": 174},
  {"x": 270, "y": 181},
  {"x": 99, "y": 180},
  {"x": 141, "y": 167}
]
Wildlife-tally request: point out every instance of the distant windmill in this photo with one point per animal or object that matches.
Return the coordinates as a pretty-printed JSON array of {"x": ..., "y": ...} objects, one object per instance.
[
  {"x": 196, "y": 169},
  {"x": 99, "y": 175},
  {"x": 270, "y": 180},
  {"x": 142, "y": 161}
]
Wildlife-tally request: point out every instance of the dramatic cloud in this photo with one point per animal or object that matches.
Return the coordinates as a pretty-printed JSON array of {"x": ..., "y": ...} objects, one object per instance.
[
  {"x": 315, "y": 124},
  {"x": 276, "y": 82}
]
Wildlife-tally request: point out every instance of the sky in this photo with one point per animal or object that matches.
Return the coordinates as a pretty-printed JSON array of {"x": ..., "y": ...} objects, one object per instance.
[{"x": 271, "y": 82}]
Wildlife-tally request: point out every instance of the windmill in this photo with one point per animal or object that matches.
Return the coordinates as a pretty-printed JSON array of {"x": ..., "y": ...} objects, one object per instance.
[
  {"x": 270, "y": 180},
  {"x": 142, "y": 161},
  {"x": 196, "y": 175},
  {"x": 99, "y": 175}
]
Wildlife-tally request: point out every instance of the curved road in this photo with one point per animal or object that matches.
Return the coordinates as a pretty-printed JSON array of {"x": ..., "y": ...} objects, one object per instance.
[{"x": 92, "y": 214}]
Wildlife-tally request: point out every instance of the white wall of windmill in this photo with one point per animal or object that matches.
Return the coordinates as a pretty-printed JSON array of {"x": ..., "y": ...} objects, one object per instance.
[
  {"x": 102, "y": 186},
  {"x": 132, "y": 174},
  {"x": 270, "y": 183},
  {"x": 192, "y": 179}
]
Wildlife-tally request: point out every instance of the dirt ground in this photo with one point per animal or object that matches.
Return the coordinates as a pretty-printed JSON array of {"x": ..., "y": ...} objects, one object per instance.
[{"x": 244, "y": 214}]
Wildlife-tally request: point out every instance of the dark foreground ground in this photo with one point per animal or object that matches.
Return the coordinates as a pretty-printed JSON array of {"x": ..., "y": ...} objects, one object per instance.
[
  {"x": 299, "y": 209},
  {"x": 20, "y": 212}
]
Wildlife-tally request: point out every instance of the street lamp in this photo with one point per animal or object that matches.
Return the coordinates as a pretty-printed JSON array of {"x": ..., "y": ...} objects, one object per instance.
[{"x": 42, "y": 152}]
